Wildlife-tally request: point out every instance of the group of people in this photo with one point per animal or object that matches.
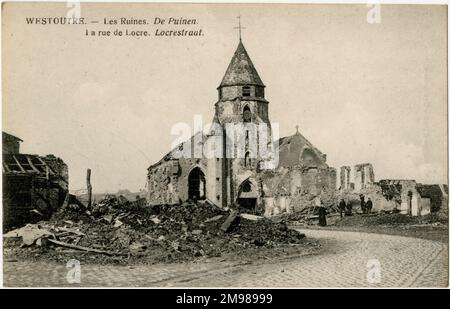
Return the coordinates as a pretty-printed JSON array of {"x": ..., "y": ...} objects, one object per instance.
[
  {"x": 366, "y": 207},
  {"x": 345, "y": 208}
]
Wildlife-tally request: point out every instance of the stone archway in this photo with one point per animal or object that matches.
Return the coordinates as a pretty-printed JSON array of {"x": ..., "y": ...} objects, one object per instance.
[
  {"x": 247, "y": 196},
  {"x": 196, "y": 184}
]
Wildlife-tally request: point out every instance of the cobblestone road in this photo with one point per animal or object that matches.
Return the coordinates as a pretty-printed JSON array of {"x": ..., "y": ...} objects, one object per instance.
[{"x": 402, "y": 262}]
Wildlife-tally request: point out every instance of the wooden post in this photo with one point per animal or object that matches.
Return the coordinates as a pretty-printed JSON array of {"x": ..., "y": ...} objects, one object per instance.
[{"x": 89, "y": 187}]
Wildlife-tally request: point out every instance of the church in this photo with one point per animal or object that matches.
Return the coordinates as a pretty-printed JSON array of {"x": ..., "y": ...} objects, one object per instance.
[{"x": 238, "y": 163}]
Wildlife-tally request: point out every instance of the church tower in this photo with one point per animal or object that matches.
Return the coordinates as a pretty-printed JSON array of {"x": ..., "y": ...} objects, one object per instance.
[
  {"x": 240, "y": 163},
  {"x": 241, "y": 92},
  {"x": 242, "y": 113}
]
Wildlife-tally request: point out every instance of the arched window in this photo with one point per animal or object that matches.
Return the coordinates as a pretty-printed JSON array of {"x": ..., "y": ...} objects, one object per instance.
[
  {"x": 248, "y": 160},
  {"x": 247, "y": 114},
  {"x": 246, "y": 187}
]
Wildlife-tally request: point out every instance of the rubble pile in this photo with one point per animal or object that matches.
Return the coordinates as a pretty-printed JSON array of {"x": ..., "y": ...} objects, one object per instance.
[
  {"x": 308, "y": 216},
  {"x": 119, "y": 230},
  {"x": 391, "y": 219}
]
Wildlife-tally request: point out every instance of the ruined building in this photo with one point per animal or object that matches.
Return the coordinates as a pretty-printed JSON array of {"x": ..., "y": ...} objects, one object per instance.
[
  {"x": 404, "y": 195},
  {"x": 364, "y": 175},
  {"x": 236, "y": 162},
  {"x": 33, "y": 186},
  {"x": 345, "y": 178}
]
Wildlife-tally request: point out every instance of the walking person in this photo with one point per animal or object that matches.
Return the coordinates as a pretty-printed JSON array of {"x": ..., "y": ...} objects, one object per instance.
[
  {"x": 342, "y": 207},
  {"x": 369, "y": 205},
  {"x": 363, "y": 203},
  {"x": 322, "y": 211},
  {"x": 348, "y": 210}
]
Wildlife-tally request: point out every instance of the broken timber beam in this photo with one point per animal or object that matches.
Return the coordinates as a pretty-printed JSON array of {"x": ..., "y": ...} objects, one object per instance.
[
  {"x": 67, "y": 245},
  {"x": 226, "y": 225}
]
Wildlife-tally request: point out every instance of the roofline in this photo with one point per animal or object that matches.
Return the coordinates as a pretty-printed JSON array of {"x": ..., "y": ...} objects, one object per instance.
[
  {"x": 167, "y": 157},
  {"x": 15, "y": 137},
  {"x": 307, "y": 141},
  {"x": 240, "y": 84},
  {"x": 262, "y": 100}
]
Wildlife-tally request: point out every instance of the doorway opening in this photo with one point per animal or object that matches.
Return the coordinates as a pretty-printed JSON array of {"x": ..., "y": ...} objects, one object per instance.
[
  {"x": 410, "y": 194},
  {"x": 247, "y": 197},
  {"x": 197, "y": 185}
]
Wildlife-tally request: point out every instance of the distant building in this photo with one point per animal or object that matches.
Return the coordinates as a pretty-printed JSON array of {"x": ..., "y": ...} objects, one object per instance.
[{"x": 404, "y": 195}]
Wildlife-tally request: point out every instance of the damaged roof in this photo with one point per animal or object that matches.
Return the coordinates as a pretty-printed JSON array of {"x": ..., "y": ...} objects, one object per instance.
[
  {"x": 298, "y": 138},
  {"x": 180, "y": 150},
  {"x": 25, "y": 164},
  {"x": 291, "y": 149},
  {"x": 241, "y": 70}
]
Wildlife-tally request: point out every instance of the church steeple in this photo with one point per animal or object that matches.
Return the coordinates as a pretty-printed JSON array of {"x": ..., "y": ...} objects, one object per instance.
[
  {"x": 241, "y": 80},
  {"x": 241, "y": 92},
  {"x": 241, "y": 70}
]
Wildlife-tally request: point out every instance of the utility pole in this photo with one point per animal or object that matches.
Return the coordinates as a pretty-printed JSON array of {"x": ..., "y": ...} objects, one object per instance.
[{"x": 89, "y": 187}]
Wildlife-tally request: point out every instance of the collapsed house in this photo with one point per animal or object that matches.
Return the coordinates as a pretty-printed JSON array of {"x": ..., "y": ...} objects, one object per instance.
[
  {"x": 403, "y": 195},
  {"x": 236, "y": 163},
  {"x": 33, "y": 186}
]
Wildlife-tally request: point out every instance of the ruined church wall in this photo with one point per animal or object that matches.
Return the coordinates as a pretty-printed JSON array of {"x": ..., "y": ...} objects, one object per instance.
[
  {"x": 162, "y": 183},
  {"x": 289, "y": 190},
  {"x": 168, "y": 182},
  {"x": 214, "y": 178}
]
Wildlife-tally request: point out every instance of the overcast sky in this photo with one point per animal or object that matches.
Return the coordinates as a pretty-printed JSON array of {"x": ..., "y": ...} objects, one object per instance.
[{"x": 360, "y": 92}]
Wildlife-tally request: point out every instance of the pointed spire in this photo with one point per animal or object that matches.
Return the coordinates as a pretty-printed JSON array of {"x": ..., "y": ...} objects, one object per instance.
[{"x": 241, "y": 70}]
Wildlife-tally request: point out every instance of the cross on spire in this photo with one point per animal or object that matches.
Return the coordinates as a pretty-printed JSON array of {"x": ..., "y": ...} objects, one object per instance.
[
  {"x": 239, "y": 27},
  {"x": 296, "y": 127}
]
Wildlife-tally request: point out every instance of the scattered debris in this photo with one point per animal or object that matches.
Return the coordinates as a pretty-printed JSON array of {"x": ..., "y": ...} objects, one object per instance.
[
  {"x": 108, "y": 218},
  {"x": 251, "y": 217},
  {"x": 64, "y": 244},
  {"x": 390, "y": 219},
  {"x": 137, "y": 248},
  {"x": 116, "y": 229},
  {"x": 215, "y": 218},
  {"x": 37, "y": 212},
  {"x": 42, "y": 242},
  {"x": 155, "y": 220},
  {"x": 29, "y": 234},
  {"x": 309, "y": 216},
  {"x": 231, "y": 218},
  {"x": 117, "y": 223}
]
